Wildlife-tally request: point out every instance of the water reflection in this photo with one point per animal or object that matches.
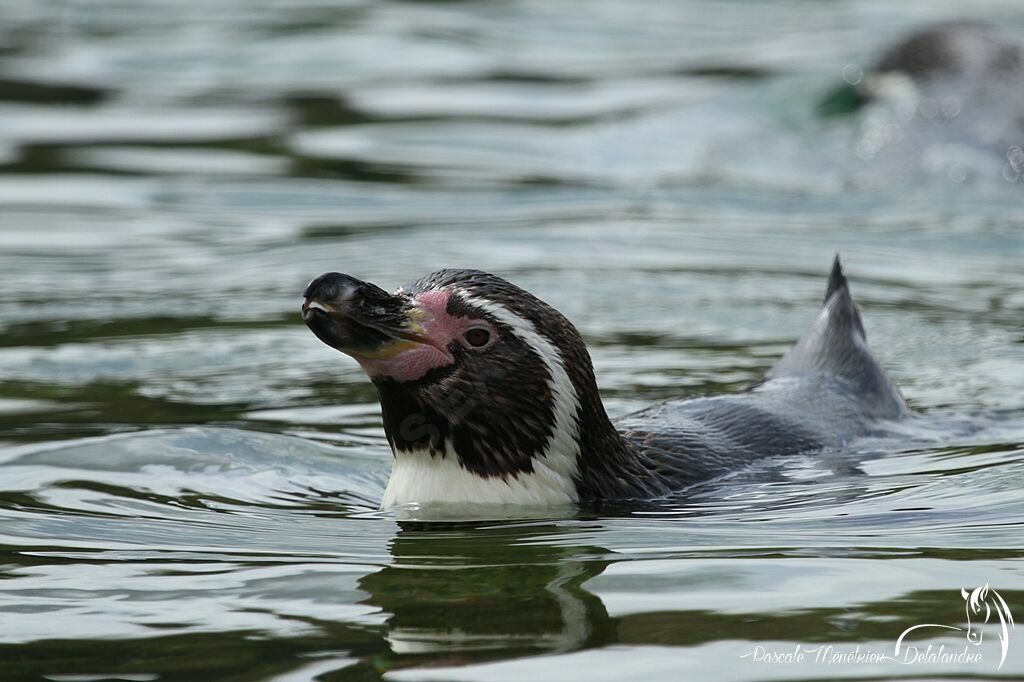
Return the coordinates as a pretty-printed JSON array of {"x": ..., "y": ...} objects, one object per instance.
[{"x": 496, "y": 591}]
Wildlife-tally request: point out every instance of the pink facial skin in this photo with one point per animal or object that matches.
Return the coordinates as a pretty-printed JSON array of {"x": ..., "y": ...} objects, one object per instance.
[{"x": 439, "y": 329}]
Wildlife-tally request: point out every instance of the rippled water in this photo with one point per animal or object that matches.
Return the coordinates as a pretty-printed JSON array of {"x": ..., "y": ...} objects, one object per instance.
[{"x": 189, "y": 480}]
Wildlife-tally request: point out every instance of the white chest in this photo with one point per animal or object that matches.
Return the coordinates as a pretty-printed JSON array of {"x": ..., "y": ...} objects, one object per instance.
[{"x": 417, "y": 477}]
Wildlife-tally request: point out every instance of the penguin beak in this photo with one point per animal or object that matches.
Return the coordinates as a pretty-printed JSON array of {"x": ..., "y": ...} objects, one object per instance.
[{"x": 361, "y": 319}]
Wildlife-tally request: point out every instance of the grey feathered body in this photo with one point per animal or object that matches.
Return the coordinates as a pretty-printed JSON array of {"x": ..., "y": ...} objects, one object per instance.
[{"x": 826, "y": 391}]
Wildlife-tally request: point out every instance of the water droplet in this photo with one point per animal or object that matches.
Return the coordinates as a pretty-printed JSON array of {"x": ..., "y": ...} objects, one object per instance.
[
  {"x": 853, "y": 74},
  {"x": 951, "y": 107}
]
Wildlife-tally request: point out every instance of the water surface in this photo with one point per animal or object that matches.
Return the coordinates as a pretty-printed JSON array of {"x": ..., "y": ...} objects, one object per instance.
[{"x": 189, "y": 481}]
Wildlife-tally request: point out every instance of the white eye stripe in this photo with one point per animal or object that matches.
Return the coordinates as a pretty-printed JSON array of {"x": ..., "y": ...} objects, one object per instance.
[
  {"x": 320, "y": 306},
  {"x": 561, "y": 452}
]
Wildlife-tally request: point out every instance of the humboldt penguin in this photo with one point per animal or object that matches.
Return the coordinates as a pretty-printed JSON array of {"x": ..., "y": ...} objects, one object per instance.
[{"x": 488, "y": 395}]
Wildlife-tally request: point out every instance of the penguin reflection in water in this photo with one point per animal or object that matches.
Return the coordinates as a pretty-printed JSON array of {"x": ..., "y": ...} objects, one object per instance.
[{"x": 489, "y": 588}]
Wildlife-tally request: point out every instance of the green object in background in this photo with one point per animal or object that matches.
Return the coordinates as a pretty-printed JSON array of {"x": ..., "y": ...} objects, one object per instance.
[{"x": 844, "y": 99}]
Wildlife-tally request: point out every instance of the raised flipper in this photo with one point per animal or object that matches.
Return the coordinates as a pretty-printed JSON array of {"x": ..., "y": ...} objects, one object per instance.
[{"x": 836, "y": 348}]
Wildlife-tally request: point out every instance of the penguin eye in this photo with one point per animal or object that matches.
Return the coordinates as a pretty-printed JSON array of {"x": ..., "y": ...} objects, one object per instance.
[{"x": 477, "y": 337}]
